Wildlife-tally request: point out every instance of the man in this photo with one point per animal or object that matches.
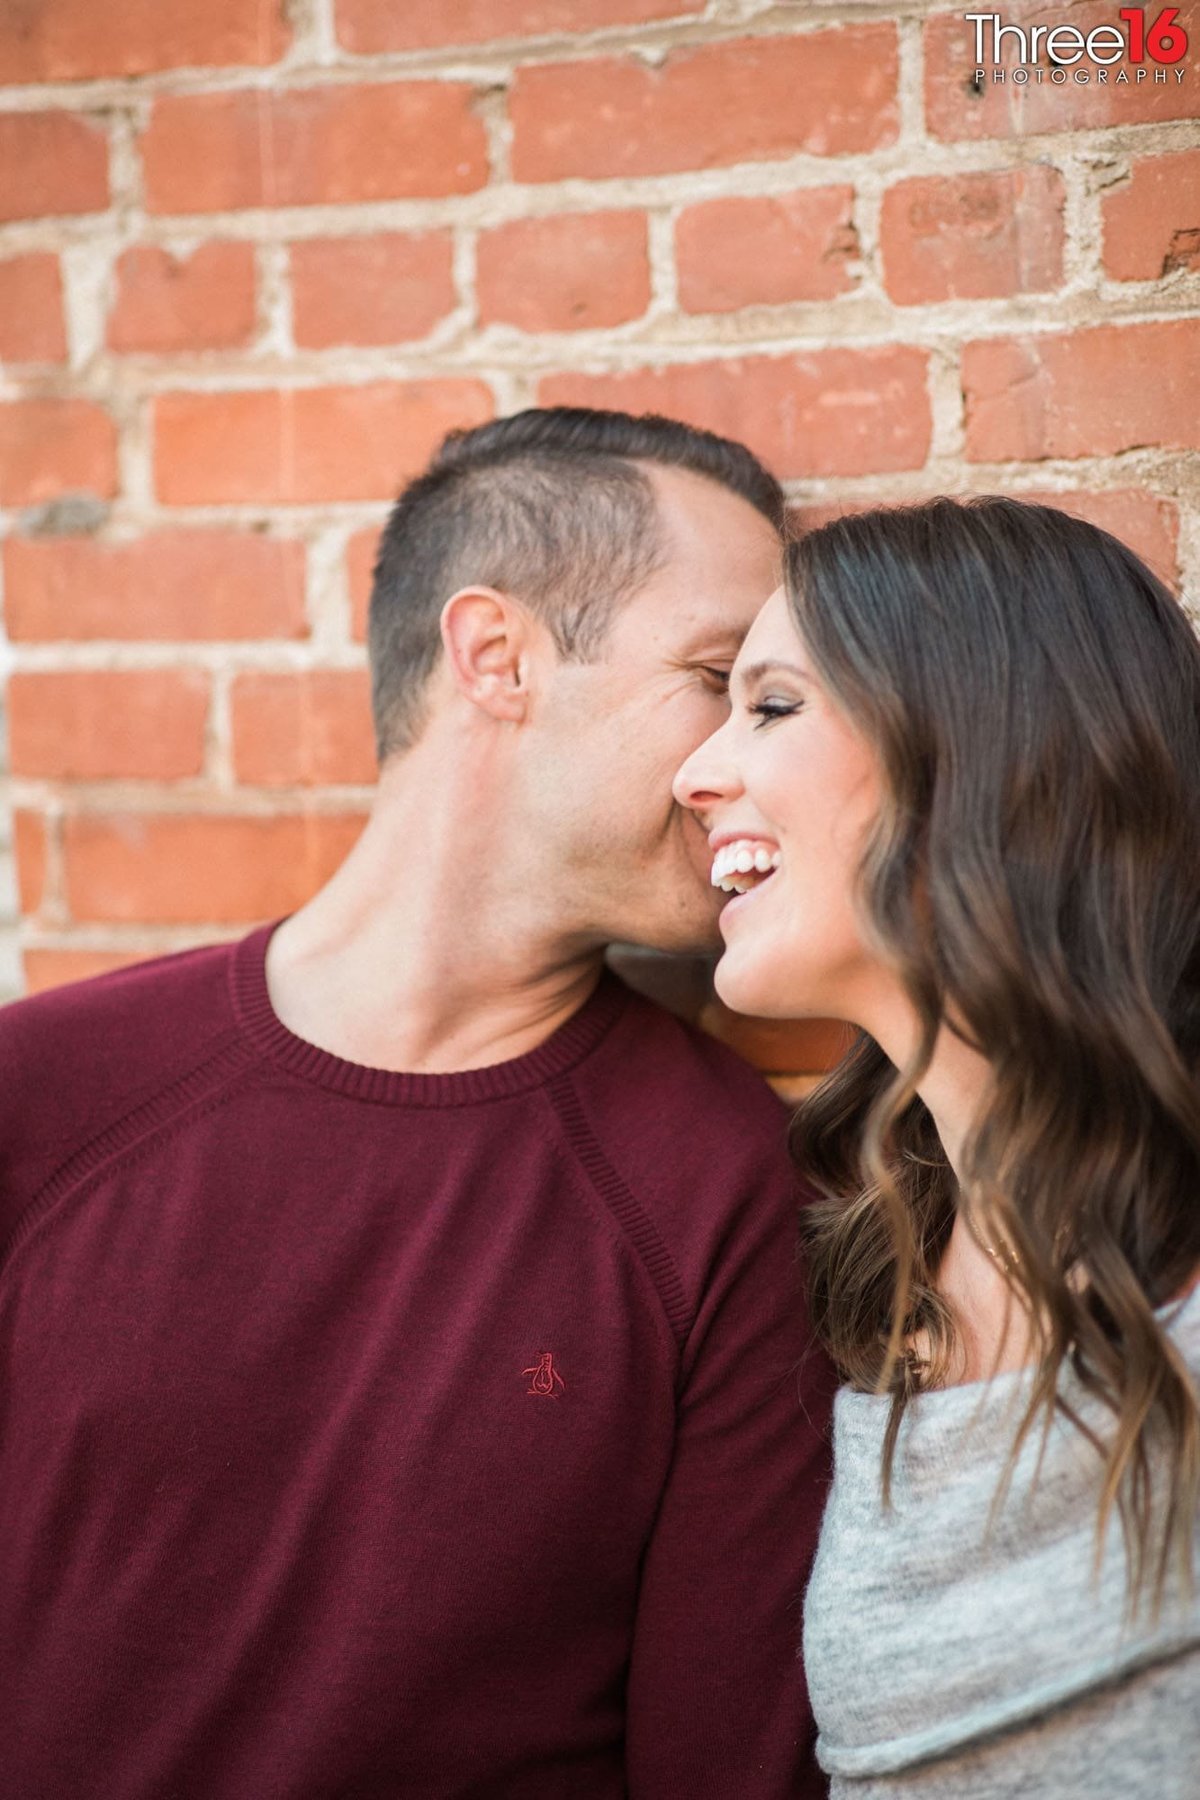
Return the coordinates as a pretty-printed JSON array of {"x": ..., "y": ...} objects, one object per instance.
[{"x": 407, "y": 1390}]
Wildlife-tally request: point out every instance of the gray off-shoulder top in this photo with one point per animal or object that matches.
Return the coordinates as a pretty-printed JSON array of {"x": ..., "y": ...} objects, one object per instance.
[{"x": 955, "y": 1656}]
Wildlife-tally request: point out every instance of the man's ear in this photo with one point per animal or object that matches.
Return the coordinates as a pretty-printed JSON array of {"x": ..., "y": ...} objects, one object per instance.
[{"x": 487, "y": 638}]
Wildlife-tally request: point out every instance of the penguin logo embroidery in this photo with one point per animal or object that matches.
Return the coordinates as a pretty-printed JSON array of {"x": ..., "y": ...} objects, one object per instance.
[{"x": 546, "y": 1380}]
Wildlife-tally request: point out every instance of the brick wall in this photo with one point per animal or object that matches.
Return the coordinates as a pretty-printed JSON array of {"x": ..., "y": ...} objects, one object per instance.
[{"x": 256, "y": 258}]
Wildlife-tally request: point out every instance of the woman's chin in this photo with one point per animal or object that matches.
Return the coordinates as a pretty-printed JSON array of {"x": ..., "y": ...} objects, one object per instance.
[
  {"x": 745, "y": 988},
  {"x": 763, "y": 987}
]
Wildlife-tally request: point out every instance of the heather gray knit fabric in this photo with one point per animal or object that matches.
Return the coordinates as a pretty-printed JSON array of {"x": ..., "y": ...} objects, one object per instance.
[{"x": 947, "y": 1661}]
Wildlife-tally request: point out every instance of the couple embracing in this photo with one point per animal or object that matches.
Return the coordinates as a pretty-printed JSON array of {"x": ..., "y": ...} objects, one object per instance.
[{"x": 411, "y": 1386}]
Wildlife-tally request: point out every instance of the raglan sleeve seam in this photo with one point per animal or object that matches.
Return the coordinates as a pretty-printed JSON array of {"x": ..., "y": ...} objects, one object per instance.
[
  {"x": 129, "y": 1133},
  {"x": 631, "y": 1217}
]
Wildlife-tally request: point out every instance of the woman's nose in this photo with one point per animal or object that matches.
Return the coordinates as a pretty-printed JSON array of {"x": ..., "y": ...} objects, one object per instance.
[{"x": 708, "y": 777}]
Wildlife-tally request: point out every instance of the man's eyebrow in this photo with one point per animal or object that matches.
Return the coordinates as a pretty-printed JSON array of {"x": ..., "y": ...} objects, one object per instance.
[{"x": 714, "y": 643}]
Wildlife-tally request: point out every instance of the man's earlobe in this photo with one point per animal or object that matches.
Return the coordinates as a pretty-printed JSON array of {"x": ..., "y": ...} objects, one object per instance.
[{"x": 485, "y": 636}]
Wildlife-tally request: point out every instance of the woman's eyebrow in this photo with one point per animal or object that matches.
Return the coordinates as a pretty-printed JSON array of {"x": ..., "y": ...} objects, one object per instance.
[{"x": 757, "y": 670}]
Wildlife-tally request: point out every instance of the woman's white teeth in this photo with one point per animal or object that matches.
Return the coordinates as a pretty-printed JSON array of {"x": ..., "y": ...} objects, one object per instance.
[{"x": 733, "y": 862}]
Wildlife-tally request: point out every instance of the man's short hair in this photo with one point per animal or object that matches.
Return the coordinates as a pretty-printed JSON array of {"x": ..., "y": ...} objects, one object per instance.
[{"x": 551, "y": 506}]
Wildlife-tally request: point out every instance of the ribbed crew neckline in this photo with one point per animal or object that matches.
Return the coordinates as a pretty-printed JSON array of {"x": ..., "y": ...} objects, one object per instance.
[{"x": 561, "y": 1051}]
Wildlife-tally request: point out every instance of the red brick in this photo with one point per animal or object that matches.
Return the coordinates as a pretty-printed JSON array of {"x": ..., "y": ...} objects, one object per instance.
[
  {"x": 306, "y": 730},
  {"x": 1094, "y": 392},
  {"x": 825, "y": 92},
  {"x": 765, "y": 251},
  {"x": 51, "y": 162},
  {"x": 96, "y": 725},
  {"x": 361, "y": 552},
  {"x": 830, "y": 412},
  {"x": 1148, "y": 523},
  {"x": 29, "y": 843},
  {"x": 566, "y": 273},
  {"x": 1152, "y": 224},
  {"x": 371, "y": 290},
  {"x": 313, "y": 146},
  {"x": 72, "y": 40},
  {"x": 308, "y": 444},
  {"x": 52, "y": 447},
  {"x": 955, "y": 109},
  {"x": 369, "y": 26},
  {"x": 199, "y": 868},
  {"x": 31, "y": 309},
  {"x": 46, "y": 968},
  {"x": 204, "y": 301},
  {"x": 973, "y": 237},
  {"x": 173, "y": 586}
]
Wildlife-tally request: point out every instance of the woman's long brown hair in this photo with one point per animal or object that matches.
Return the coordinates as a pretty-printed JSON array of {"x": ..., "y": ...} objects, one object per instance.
[{"x": 1033, "y": 695}]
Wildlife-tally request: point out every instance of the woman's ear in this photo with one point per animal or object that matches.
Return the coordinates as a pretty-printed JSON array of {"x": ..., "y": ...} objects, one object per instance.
[{"x": 487, "y": 638}]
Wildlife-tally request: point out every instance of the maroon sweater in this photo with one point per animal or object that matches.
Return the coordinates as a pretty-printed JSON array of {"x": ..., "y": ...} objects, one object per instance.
[{"x": 371, "y": 1435}]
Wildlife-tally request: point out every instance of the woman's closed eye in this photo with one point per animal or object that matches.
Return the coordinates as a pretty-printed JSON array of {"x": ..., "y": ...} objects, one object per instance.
[{"x": 771, "y": 708}]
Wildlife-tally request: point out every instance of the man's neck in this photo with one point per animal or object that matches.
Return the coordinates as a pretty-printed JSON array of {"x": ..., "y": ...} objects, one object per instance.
[{"x": 425, "y": 952}]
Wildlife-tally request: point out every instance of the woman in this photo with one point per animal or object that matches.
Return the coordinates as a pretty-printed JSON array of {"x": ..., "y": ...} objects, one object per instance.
[{"x": 958, "y": 797}]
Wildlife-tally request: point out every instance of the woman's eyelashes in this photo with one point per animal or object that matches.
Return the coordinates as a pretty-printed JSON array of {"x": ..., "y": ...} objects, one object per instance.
[{"x": 768, "y": 709}]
